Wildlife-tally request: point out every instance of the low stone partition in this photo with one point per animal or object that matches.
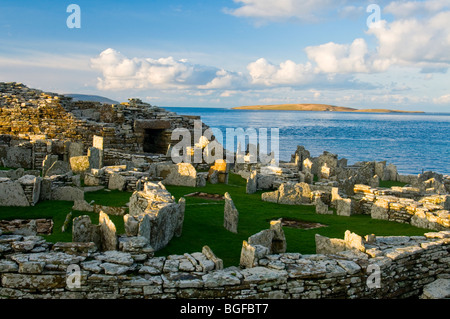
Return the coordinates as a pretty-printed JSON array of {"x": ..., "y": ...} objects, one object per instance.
[{"x": 379, "y": 267}]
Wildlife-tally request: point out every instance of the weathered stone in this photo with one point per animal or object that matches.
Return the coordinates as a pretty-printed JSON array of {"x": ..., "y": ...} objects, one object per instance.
[
  {"x": 108, "y": 232},
  {"x": 67, "y": 193},
  {"x": 114, "y": 269},
  {"x": 17, "y": 157},
  {"x": 82, "y": 206},
  {"x": 117, "y": 182},
  {"x": 263, "y": 238},
  {"x": 218, "y": 263},
  {"x": 279, "y": 239},
  {"x": 354, "y": 241},
  {"x": 79, "y": 164},
  {"x": 180, "y": 221},
  {"x": 344, "y": 207},
  {"x": 231, "y": 215},
  {"x": 252, "y": 183},
  {"x": 58, "y": 168},
  {"x": 182, "y": 174},
  {"x": 438, "y": 289},
  {"x": 116, "y": 257},
  {"x": 109, "y": 210},
  {"x": 8, "y": 266},
  {"x": 35, "y": 282},
  {"x": 131, "y": 225},
  {"x": 75, "y": 149},
  {"x": 12, "y": 194},
  {"x": 325, "y": 245},
  {"x": 321, "y": 208},
  {"x": 271, "y": 197}
]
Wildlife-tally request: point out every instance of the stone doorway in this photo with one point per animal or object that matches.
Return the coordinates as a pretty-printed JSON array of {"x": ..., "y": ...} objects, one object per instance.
[{"x": 154, "y": 141}]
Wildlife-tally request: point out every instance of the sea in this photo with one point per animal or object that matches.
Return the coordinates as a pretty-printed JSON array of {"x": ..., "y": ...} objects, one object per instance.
[{"x": 414, "y": 142}]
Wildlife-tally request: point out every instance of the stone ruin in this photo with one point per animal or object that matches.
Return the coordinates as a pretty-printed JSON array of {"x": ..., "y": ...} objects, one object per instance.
[
  {"x": 123, "y": 147},
  {"x": 329, "y": 182}
]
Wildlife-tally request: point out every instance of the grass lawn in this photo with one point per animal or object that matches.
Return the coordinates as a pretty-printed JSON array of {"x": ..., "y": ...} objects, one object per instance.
[
  {"x": 203, "y": 222},
  {"x": 389, "y": 184}
]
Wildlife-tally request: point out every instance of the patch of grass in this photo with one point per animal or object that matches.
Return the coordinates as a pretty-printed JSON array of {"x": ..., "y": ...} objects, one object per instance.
[
  {"x": 58, "y": 210},
  {"x": 203, "y": 224},
  {"x": 389, "y": 184},
  {"x": 106, "y": 197}
]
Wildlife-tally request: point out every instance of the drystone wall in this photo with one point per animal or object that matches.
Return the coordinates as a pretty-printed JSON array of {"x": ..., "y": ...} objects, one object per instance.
[
  {"x": 379, "y": 267},
  {"x": 30, "y": 115}
]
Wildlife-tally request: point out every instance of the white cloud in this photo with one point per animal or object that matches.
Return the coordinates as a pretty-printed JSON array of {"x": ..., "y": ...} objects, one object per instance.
[
  {"x": 305, "y": 10},
  {"x": 342, "y": 58},
  {"x": 408, "y": 42},
  {"x": 288, "y": 72},
  {"x": 444, "y": 99},
  {"x": 120, "y": 72},
  {"x": 405, "y": 9},
  {"x": 424, "y": 43}
]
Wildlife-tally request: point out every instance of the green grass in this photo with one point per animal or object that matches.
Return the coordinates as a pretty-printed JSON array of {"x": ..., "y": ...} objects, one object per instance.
[
  {"x": 58, "y": 210},
  {"x": 203, "y": 222},
  {"x": 389, "y": 184}
]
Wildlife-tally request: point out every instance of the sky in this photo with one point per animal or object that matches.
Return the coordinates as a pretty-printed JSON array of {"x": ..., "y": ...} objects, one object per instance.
[{"x": 227, "y": 53}]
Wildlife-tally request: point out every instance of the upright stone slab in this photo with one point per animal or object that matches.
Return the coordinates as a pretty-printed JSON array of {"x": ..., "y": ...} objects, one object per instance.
[
  {"x": 12, "y": 194},
  {"x": 344, "y": 207},
  {"x": 180, "y": 221},
  {"x": 58, "y": 168},
  {"x": 231, "y": 215},
  {"x": 79, "y": 164},
  {"x": 81, "y": 229},
  {"x": 75, "y": 149},
  {"x": 322, "y": 208},
  {"x": 94, "y": 158},
  {"x": 131, "y": 225},
  {"x": 108, "y": 232},
  {"x": 252, "y": 183},
  {"x": 116, "y": 182},
  {"x": 48, "y": 161},
  {"x": 279, "y": 238}
]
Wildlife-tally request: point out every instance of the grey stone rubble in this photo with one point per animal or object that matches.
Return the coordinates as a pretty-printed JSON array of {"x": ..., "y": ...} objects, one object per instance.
[{"x": 424, "y": 202}]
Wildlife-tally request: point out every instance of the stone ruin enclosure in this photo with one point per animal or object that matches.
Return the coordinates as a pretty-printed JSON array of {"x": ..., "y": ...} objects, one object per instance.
[{"x": 55, "y": 144}]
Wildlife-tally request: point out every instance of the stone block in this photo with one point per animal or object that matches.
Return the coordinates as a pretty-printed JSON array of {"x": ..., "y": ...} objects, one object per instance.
[
  {"x": 12, "y": 193},
  {"x": 79, "y": 164},
  {"x": 67, "y": 193},
  {"x": 107, "y": 233},
  {"x": 116, "y": 182},
  {"x": 231, "y": 215},
  {"x": 58, "y": 168}
]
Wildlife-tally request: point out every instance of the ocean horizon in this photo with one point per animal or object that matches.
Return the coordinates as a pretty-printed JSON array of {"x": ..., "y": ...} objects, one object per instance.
[{"x": 414, "y": 142}]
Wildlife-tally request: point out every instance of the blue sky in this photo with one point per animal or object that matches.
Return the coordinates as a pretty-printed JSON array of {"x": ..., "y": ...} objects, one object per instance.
[{"x": 234, "y": 52}]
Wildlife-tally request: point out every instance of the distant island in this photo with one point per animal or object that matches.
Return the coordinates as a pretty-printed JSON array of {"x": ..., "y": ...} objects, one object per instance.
[{"x": 317, "y": 107}]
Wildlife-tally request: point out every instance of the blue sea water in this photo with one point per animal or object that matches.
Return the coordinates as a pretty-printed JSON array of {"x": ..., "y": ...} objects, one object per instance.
[{"x": 413, "y": 142}]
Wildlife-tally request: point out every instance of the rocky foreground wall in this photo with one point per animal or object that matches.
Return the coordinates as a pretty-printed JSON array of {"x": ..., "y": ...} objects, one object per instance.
[{"x": 390, "y": 267}]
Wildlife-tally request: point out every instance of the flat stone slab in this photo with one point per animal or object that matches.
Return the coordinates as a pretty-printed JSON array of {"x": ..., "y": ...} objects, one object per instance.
[{"x": 439, "y": 289}]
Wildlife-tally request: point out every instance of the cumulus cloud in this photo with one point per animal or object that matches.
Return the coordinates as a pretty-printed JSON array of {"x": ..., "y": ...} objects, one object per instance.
[
  {"x": 422, "y": 42},
  {"x": 305, "y": 10},
  {"x": 286, "y": 73},
  {"x": 120, "y": 72},
  {"x": 411, "y": 41},
  {"x": 444, "y": 99},
  {"x": 341, "y": 58},
  {"x": 406, "y": 9}
]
